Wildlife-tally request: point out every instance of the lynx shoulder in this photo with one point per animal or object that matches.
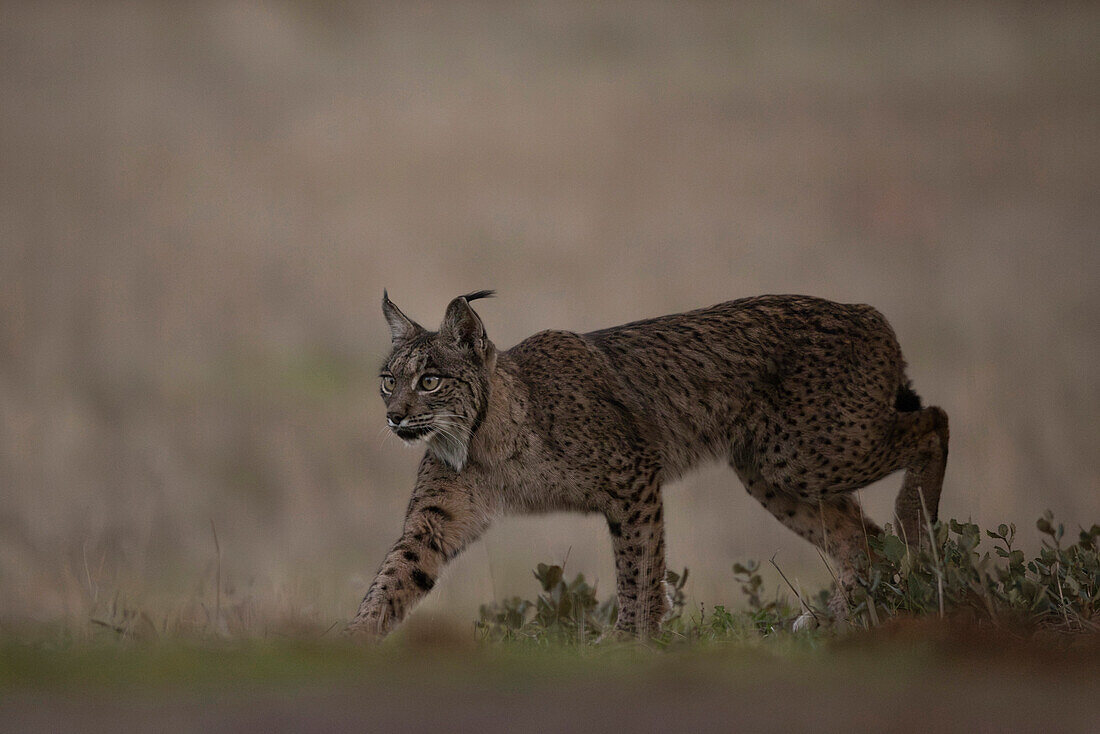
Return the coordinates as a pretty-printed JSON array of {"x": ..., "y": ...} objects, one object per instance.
[{"x": 806, "y": 400}]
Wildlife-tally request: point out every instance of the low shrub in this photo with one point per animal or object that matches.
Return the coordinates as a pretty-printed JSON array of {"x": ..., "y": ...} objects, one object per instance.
[{"x": 949, "y": 574}]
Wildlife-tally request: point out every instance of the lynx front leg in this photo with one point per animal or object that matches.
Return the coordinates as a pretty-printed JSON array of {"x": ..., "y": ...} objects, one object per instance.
[
  {"x": 638, "y": 539},
  {"x": 442, "y": 519}
]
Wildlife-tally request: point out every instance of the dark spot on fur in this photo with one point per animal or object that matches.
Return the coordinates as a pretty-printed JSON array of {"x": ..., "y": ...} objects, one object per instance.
[{"x": 423, "y": 580}]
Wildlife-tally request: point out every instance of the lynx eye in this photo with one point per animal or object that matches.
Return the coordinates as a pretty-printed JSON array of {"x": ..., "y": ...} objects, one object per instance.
[
  {"x": 388, "y": 384},
  {"x": 428, "y": 383}
]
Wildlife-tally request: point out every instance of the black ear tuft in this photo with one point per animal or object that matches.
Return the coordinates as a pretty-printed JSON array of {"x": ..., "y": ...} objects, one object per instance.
[{"x": 479, "y": 294}]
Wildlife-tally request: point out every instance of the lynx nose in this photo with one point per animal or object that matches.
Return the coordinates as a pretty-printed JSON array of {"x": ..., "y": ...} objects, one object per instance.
[{"x": 393, "y": 418}]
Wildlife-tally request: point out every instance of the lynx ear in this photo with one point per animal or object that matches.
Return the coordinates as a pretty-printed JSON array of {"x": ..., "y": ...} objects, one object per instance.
[
  {"x": 463, "y": 325},
  {"x": 401, "y": 326}
]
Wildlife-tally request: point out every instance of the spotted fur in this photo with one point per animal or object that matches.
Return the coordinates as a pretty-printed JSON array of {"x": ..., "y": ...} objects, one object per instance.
[{"x": 806, "y": 399}]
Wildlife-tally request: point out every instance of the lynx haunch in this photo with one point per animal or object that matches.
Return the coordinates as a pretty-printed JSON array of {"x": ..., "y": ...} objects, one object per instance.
[{"x": 806, "y": 399}]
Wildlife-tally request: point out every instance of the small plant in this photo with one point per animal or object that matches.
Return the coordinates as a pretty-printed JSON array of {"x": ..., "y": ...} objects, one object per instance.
[
  {"x": 1058, "y": 589},
  {"x": 565, "y": 612},
  {"x": 947, "y": 575},
  {"x": 765, "y": 616}
]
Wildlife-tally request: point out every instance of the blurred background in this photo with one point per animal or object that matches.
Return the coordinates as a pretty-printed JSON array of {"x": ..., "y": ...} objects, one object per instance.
[{"x": 201, "y": 203}]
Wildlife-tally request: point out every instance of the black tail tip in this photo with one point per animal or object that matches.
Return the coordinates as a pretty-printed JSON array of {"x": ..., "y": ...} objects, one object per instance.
[{"x": 907, "y": 400}]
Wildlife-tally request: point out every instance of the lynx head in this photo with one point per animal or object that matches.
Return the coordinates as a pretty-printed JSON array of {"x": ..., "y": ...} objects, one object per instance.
[{"x": 436, "y": 383}]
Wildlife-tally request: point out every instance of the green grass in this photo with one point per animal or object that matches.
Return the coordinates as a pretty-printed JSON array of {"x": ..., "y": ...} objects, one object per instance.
[
  {"x": 968, "y": 587},
  {"x": 1015, "y": 638}
]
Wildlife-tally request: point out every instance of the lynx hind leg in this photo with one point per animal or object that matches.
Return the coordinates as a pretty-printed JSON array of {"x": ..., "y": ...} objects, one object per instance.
[
  {"x": 835, "y": 524},
  {"x": 921, "y": 441}
]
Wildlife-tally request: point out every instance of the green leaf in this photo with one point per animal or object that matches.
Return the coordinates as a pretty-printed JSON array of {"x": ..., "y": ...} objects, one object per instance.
[{"x": 894, "y": 549}]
